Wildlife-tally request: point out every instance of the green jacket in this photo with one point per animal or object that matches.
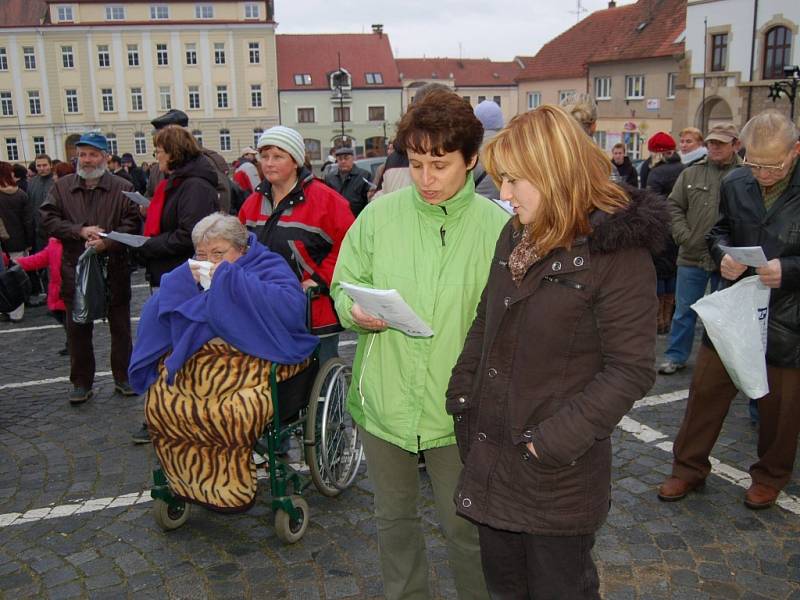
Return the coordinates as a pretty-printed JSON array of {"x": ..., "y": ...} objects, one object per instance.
[
  {"x": 694, "y": 207},
  {"x": 438, "y": 258}
]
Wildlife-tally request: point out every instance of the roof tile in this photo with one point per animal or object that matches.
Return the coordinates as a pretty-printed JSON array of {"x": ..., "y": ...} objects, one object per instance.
[{"x": 465, "y": 72}]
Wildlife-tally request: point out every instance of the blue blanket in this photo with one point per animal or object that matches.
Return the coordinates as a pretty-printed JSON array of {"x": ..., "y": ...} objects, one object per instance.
[{"x": 256, "y": 304}]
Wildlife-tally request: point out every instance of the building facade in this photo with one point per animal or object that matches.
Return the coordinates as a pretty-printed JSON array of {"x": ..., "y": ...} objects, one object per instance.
[
  {"x": 89, "y": 65},
  {"x": 735, "y": 49}
]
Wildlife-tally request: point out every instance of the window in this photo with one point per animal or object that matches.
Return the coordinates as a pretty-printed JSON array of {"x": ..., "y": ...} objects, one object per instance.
[
  {"x": 219, "y": 53},
  {"x": 497, "y": 100},
  {"x": 113, "y": 147},
  {"x": 34, "y": 104},
  {"x": 107, "y": 96},
  {"x": 602, "y": 88},
  {"x": 481, "y": 99},
  {"x": 115, "y": 13},
  {"x": 191, "y": 54},
  {"x": 11, "y": 148},
  {"x": 302, "y": 78},
  {"x": 256, "y": 136},
  {"x": 601, "y": 139},
  {"x": 376, "y": 113},
  {"x": 67, "y": 57},
  {"x": 38, "y": 144},
  {"x": 341, "y": 113},
  {"x": 103, "y": 57},
  {"x": 139, "y": 143},
  {"x": 466, "y": 99},
  {"x": 634, "y": 87},
  {"x": 72, "y": 101},
  {"x": 374, "y": 78},
  {"x": 198, "y": 136},
  {"x": 162, "y": 55},
  {"x": 137, "y": 99},
  {"x": 565, "y": 95},
  {"x": 671, "y": 78},
  {"x": 313, "y": 149},
  {"x": 29, "y": 56},
  {"x": 165, "y": 97},
  {"x": 633, "y": 145},
  {"x": 777, "y": 52},
  {"x": 719, "y": 52},
  {"x": 255, "y": 96},
  {"x": 3, "y": 60},
  {"x": 340, "y": 79},
  {"x": 255, "y": 52},
  {"x": 204, "y": 11},
  {"x": 251, "y": 11},
  {"x": 159, "y": 11},
  {"x": 534, "y": 100},
  {"x": 224, "y": 140},
  {"x": 64, "y": 14},
  {"x": 306, "y": 115},
  {"x": 133, "y": 55},
  {"x": 194, "y": 97},
  {"x": 222, "y": 96},
  {"x": 6, "y": 104}
]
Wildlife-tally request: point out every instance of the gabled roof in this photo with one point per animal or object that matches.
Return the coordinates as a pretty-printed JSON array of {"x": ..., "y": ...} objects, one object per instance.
[
  {"x": 609, "y": 35},
  {"x": 317, "y": 55},
  {"x": 467, "y": 72},
  {"x": 22, "y": 13}
]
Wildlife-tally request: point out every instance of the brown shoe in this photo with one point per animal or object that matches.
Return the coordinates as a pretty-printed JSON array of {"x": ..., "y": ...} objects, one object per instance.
[
  {"x": 760, "y": 496},
  {"x": 674, "y": 489}
]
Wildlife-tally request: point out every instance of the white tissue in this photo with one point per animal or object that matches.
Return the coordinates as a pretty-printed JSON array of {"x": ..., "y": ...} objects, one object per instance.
[{"x": 204, "y": 270}]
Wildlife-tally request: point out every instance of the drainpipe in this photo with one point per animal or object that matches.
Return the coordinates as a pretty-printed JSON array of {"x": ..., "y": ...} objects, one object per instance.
[{"x": 752, "y": 59}]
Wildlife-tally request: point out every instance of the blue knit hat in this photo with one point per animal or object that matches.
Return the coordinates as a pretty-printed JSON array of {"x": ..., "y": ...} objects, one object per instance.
[
  {"x": 489, "y": 114},
  {"x": 287, "y": 139}
]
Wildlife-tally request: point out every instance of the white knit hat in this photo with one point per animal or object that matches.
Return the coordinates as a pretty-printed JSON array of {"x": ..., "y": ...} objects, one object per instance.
[{"x": 286, "y": 139}]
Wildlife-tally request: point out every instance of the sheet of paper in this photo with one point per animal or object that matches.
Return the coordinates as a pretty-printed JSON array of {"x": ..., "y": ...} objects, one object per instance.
[
  {"x": 752, "y": 256},
  {"x": 389, "y": 306},
  {"x": 138, "y": 198},
  {"x": 129, "y": 239}
]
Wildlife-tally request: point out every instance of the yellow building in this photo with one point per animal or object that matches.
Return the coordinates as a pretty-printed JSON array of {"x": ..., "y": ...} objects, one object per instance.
[{"x": 66, "y": 68}]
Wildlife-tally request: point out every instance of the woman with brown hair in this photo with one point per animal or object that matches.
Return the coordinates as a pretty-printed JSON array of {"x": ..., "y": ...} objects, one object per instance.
[
  {"x": 562, "y": 345},
  {"x": 17, "y": 215}
]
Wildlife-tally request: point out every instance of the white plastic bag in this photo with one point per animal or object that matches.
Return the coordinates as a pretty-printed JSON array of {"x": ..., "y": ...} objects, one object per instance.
[{"x": 736, "y": 321}]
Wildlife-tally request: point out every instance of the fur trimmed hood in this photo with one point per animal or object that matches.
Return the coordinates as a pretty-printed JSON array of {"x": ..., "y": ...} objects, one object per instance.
[{"x": 644, "y": 222}]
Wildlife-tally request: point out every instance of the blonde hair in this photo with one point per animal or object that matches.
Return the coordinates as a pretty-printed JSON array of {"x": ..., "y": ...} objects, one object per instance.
[
  {"x": 692, "y": 131},
  {"x": 583, "y": 109},
  {"x": 769, "y": 129},
  {"x": 548, "y": 148}
]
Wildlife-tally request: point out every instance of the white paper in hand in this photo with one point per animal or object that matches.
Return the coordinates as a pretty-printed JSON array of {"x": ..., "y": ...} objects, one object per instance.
[
  {"x": 752, "y": 256},
  {"x": 204, "y": 270},
  {"x": 129, "y": 239},
  {"x": 138, "y": 198},
  {"x": 389, "y": 306}
]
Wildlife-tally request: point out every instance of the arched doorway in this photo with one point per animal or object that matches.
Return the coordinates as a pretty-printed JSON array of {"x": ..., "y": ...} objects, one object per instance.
[
  {"x": 70, "y": 151},
  {"x": 714, "y": 111}
]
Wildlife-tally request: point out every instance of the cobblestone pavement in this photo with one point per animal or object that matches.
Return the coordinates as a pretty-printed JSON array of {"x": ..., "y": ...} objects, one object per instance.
[{"x": 75, "y": 523}]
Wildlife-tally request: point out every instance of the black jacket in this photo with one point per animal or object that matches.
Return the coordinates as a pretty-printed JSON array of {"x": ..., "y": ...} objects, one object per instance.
[
  {"x": 190, "y": 195},
  {"x": 661, "y": 181},
  {"x": 354, "y": 187},
  {"x": 744, "y": 221},
  {"x": 17, "y": 214},
  {"x": 628, "y": 172}
]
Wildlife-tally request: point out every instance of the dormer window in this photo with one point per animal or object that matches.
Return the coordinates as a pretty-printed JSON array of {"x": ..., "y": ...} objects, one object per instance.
[
  {"x": 115, "y": 13},
  {"x": 373, "y": 78},
  {"x": 302, "y": 78},
  {"x": 251, "y": 11},
  {"x": 340, "y": 80},
  {"x": 65, "y": 13},
  {"x": 204, "y": 11}
]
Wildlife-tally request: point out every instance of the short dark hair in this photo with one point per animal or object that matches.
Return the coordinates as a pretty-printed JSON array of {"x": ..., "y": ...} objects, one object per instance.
[
  {"x": 44, "y": 157},
  {"x": 6, "y": 174},
  {"x": 441, "y": 122},
  {"x": 21, "y": 171},
  {"x": 178, "y": 143}
]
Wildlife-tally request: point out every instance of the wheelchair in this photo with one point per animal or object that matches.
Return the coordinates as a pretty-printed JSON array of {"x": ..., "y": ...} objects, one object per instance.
[{"x": 312, "y": 406}]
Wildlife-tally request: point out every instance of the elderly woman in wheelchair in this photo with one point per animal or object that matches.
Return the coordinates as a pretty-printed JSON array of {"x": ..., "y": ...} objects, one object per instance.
[{"x": 212, "y": 347}]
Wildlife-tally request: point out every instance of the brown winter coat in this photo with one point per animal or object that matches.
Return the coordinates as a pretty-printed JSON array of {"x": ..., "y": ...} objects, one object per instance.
[
  {"x": 557, "y": 361},
  {"x": 71, "y": 206}
]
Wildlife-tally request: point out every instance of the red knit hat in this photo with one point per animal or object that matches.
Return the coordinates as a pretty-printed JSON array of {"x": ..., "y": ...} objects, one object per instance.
[{"x": 660, "y": 142}]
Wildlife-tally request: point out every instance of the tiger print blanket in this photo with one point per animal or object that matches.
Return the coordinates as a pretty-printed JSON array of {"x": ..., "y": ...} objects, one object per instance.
[{"x": 204, "y": 426}]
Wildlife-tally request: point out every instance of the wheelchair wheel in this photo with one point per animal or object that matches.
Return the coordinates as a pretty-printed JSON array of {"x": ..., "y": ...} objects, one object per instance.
[
  {"x": 170, "y": 517},
  {"x": 291, "y": 530},
  {"x": 333, "y": 447}
]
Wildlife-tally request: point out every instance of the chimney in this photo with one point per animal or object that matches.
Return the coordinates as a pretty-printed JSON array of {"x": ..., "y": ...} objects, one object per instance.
[
  {"x": 612, "y": 4},
  {"x": 378, "y": 28}
]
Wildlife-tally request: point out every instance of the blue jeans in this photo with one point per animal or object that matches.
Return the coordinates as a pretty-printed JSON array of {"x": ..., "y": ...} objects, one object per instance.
[{"x": 691, "y": 286}]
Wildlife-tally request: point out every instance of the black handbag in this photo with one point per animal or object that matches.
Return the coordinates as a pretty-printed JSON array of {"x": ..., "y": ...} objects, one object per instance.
[
  {"x": 15, "y": 288},
  {"x": 90, "y": 289}
]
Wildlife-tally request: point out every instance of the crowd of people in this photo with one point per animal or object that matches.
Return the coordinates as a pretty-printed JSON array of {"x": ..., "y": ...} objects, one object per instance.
[{"x": 544, "y": 321}]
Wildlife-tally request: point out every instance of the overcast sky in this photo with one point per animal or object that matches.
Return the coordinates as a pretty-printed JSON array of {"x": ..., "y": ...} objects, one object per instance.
[{"x": 496, "y": 29}]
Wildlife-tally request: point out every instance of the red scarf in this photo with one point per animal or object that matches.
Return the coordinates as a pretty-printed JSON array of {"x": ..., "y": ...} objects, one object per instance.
[{"x": 152, "y": 222}]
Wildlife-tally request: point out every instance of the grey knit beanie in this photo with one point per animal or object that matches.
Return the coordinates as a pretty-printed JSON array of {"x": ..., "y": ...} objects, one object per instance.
[{"x": 287, "y": 139}]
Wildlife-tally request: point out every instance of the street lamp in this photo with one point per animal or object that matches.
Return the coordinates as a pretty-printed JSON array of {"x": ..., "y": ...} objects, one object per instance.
[{"x": 787, "y": 87}]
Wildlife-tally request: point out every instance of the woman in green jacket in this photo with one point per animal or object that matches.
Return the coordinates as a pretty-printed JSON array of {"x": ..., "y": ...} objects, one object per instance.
[{"x": 433, "y": 242}]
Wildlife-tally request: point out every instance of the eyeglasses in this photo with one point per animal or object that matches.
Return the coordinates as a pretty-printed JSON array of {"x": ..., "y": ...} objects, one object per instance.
[
  {"x": 215, "y": 256},
  {"x": 766, "y": 168}
]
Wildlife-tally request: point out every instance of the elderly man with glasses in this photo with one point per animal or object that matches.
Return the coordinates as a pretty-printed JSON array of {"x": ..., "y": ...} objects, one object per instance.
[{"x": 759, "y": 206}]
